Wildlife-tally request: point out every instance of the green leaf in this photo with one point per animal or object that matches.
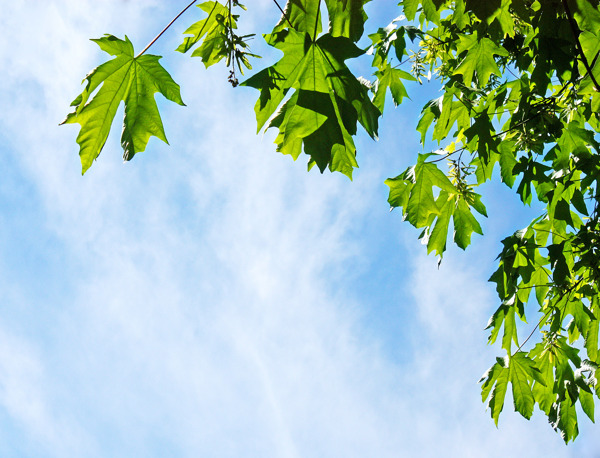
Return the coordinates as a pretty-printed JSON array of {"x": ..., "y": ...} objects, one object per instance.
[
  {"x": 541, "y": 280},
  {"x": 587, "y": 14},
  {"x": 421, "y": 203},
  {"x": 346, "y": 18},
  {"x": 497, "y": 319},
  {"x": 532, "y": 173},
  {"x": 587, "y": 403},
  {"x": 543, "y": 393},
  {"x": 414, "y": 192},
  {"x": 382, "y": 41},
  {"x": 410, "y": 8},
  {"x": 574, "y": 139},
  {"x": 464, "y": 224},
  {"x": 431, "y": 111},
  {"x": 451, "y": 112},
  {"x": 507, "y": 162},
  {"x": 400, "y": 44},
  {"x": 304, "y": 17},
  {"x": 521, "y": 375},
  {"x": 213, "y": 27},
  {"x": 481, "y": 132},
  {"x": 330, "y": 98},
  {"x": 591, "y": 337},
  {"x": 510, "y": 329},
  {"x": 504, "y": 18},
  {"x": 496, "y": 377},
  {"x": 488, "y": 379},
  {"x": 430, "y": 9},
  {"x": 479, "y": 59},
  {"x": 400, "y": 188},
  {"x": 296, "y": 122},
  {"x": 439, "y": 234},
  {"x": 390, "y": 78},
  {"x": 485, "y": 11},
  {"x": 133, "y": 80},
  {"x": 565, "y": 420}
]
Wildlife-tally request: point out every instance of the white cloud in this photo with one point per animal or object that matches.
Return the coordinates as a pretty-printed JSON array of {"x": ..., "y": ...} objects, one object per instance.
[{"x": 24, "y": 402}]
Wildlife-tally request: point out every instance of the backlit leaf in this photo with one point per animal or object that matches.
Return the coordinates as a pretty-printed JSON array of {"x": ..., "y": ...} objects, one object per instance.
[
  {"x": 479, "y": 59},
  {"x": 129, "y": 79}
]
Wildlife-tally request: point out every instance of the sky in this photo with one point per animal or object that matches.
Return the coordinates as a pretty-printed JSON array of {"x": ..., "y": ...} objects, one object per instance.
[{"x": 212, "y": 298}]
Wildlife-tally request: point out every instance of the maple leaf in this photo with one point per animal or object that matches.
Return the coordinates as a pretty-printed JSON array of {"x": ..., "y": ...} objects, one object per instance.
[
  {"x": 129, "y": 79},
  {"x": 495, "y": 382},
  {"x": 522, "y": 373},
  {"x": 389, "y": 77},
  {"x": 479, "y": 59},
  {"x": 414, "y": 192},
  {"x": 430, "y": 9},
  {"x": 323, "y": 112}
]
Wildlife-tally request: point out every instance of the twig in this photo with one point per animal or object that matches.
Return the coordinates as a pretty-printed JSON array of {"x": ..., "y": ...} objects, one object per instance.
[
  {"x": 550, "y": 285},
  {"x": 519, "y": 124},
  {"x": 283, "y": 14},
  {"x": 434, "y": 37},
  {"x": 403, "y": 62},
  {"x": 533, "y": 331},
  {"x": 165, "y": 29},
  {"x": 574, "y": 28},
  {"x": 551, "y": 233},
  {"x": 568, "y": 292}
]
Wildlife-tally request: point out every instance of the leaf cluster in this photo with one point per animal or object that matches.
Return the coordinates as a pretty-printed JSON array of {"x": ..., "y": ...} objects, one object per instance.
[
  {"x": 520, "y": 98},
  {"x": 519, "y": 103}
]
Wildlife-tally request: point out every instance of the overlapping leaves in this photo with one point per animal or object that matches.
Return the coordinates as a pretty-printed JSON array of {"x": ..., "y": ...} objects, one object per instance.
[
  {"x": 328, "y": 101},
  {"x": 216, "y": 38},
  {"x": 210, "y": 32},
  {"x": 388, "y": 76},
  {"x": 518, "y": 370},
  {"x": 520, "y": 97},
  {"x": 413, "y": 191},
  {"x": 519, "y": 91}
]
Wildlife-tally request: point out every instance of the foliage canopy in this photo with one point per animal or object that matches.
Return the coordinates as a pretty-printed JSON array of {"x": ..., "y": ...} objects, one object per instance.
[{"x": 520, "y": 95}]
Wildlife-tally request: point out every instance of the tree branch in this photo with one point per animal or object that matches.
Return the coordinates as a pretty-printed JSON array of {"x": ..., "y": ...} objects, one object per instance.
[
  {"x": 283, "y": 14},
  {"x": 574, "y": 29},
  {"x": 516, "y": 126},
  {"x": 568, "y": 292},
  {"x": 165, "y": 29},
  {"x": 533, "y": 331}
]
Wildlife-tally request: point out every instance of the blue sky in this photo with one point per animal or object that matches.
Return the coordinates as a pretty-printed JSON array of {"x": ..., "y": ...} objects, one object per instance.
[{"x": 212, "y": 298}]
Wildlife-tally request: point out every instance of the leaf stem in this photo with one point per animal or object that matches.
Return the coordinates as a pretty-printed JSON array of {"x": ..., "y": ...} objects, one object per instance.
[
  {"x": 232, "y": 38},
  {"x": 165, "y": 29}
]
